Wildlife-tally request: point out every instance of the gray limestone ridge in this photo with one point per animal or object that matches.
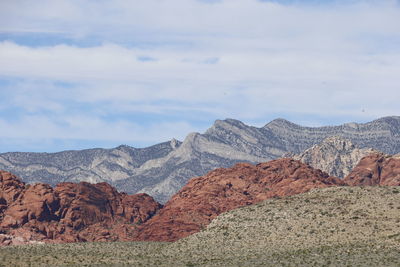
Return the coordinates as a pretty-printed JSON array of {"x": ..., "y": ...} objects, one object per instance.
[
  {"x": 162, "y": 169},
  {"x": 335, "y": 155}
]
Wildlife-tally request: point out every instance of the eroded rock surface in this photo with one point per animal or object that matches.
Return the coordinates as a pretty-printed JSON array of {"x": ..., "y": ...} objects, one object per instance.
[
  {"x": 69, "y": 212},
  {"x": 98, "y": 212},
  {"x": 336, "y": 156},
  {"x": 376, "y": 169}
]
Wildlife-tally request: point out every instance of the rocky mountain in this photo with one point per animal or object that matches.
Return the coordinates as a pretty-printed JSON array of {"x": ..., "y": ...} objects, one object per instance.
[
  {"x": 376, "y": 169},
  {"x": 89, "y": 165},
  {"x": 204, "y": 198},
  {"x": 163, "y": 169},
  {"x": 335, "y": 155},
  {"x": 382, "y": 134},
  {"x": 70, "y": 212},
  {"x": 79, "y": 212},
  {"x": 221, "y": 190}
]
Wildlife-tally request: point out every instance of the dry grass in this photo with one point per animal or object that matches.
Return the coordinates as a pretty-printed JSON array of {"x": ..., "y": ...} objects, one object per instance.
[{"x": 342, "y": 226}]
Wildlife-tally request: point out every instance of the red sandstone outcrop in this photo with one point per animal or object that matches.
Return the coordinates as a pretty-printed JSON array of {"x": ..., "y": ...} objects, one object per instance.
[
  {"x": 10, "y": 189},
  {"x": 70, "y": 212},
  {"x": 221, "y": 190},
  {"x": 97, "y": 212},
  {"x": 376, "y": 169}
]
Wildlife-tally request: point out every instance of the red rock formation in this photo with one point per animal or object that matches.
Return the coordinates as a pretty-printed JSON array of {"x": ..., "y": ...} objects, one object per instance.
[
  {"x": 69, "y": 212},
  {"x": 10, "y": 189},
  {"x": 97, "y": 212},
  {"x": 203, "y": 198},
  {"x": 376, "y": 169}
]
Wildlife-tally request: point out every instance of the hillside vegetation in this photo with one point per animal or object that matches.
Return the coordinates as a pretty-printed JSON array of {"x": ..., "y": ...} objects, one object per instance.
[{"x": 337, "y": 226}]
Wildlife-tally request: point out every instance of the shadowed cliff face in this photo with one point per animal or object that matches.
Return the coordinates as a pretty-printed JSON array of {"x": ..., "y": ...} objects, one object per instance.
[{"x": 69, "y": 212}]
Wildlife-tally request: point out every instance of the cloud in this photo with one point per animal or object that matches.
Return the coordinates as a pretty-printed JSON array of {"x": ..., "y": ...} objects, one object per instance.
[
  {"x": 38, "y": 128},
  {"x": 182, "y": 64},
  {"x": 162, "y": 20}
]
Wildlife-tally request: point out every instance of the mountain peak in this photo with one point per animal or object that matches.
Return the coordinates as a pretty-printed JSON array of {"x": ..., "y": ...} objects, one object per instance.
[
  {"x": 392, "y": 123},
  {"x": 175, "y": 143},
  {"x": 280, "y": 122},
  {"x": 352, "y": 125},
  {"x": 228, "y": 121},
  {"x": 123, "y": 147},
  {"x": 162, "y": 169},
  {"x": 388, "y": 119},
  {"x": 226, "y": 125}
]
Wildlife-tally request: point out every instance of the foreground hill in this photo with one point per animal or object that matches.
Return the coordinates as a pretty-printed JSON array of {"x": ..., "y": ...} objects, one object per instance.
[
  {"x": 221, "y": 190},
  {"x": 335, "y": 226},
  {"x": 161, "y": 170}
]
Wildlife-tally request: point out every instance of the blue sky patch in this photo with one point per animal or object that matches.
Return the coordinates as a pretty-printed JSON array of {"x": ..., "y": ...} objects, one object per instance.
[{"x": 82, "y": 74}]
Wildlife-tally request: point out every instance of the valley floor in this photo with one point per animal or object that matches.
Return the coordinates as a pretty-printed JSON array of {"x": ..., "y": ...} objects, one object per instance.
[{"x": 151, "y": 254}]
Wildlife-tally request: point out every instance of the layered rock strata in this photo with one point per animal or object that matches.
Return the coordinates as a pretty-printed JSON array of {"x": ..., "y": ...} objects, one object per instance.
[{"x": 163, "y": 169}]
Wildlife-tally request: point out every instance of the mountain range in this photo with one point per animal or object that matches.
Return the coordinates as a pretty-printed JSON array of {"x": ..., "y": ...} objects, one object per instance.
[
  {"x": 81, "y": 212},
  {"x": 163, "y": 169}
]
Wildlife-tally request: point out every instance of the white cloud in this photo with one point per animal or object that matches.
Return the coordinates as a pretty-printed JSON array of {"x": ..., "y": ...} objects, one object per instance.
[
  {"x": 112, "y": 73},
  {"x": 243, "y": 18},
  {"x": 38, "y": 127},
  {"x": 324, "y": 61}
]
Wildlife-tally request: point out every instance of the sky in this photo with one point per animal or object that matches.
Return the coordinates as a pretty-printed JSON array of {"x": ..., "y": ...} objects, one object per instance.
[{"x": 78, "y": 74}]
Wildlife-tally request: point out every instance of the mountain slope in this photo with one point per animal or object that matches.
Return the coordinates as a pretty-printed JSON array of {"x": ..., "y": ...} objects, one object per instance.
[
  {"x": 382, "y": 134},
  {"x": 230, "y": 141},
  {"x": 335, "y": 155},
  {"x": 89, "y": 165},
  {"x": 336, "y": 226},
  {"x": 163, "y": 169},
  {"x": 203, "y": 198},
  {"x": 376, "y": 169}
]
